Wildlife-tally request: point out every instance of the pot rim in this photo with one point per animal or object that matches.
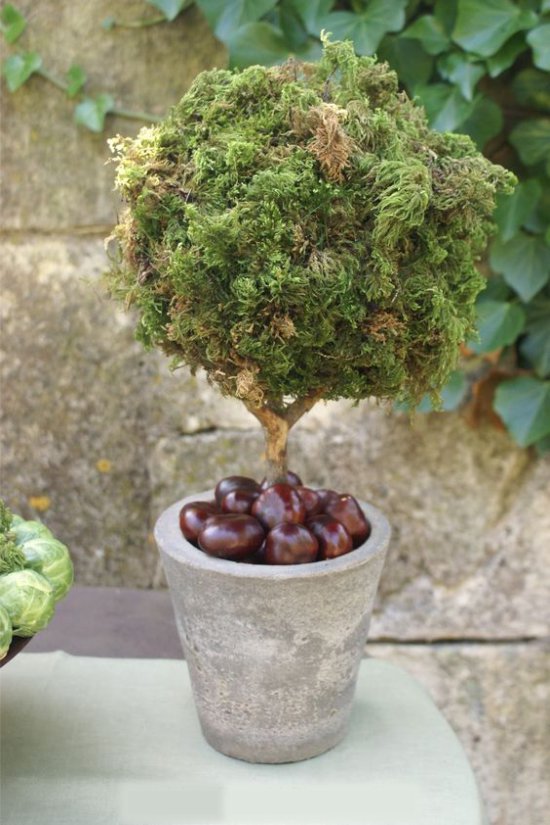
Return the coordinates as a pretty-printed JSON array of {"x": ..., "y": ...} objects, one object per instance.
[{"x": 171, "y": 541}]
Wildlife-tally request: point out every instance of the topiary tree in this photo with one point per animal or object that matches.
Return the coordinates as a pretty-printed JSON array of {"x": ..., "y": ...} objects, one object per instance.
[{"x": 300, "y": 233}]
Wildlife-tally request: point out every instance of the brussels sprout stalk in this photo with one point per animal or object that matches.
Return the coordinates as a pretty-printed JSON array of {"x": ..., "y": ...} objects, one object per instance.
[{"x": 11, "y": 556}]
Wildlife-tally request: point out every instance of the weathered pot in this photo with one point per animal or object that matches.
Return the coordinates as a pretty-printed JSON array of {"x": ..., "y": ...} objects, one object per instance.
[{"x": 273, "y": 651}]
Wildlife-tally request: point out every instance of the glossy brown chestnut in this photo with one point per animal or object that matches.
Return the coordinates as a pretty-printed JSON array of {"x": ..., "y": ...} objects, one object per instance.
[
  {"x": 290, "y": 544},
  {"x": 231, "y": 536},
  {"x": 279, "y": 503},
  {"x": 326, "y": 496},
  {"x": 239, "y": 501},
  {"x": 226, "y": 485},
  {"x": 256, "y": 558},
  {"x": 346, "y": 510},
  {"x": 289, "y": 478},
  {"x": 193, "y": 517},
  {"x": 334, "y": 540},
  {"x": 311, "y": 501}
]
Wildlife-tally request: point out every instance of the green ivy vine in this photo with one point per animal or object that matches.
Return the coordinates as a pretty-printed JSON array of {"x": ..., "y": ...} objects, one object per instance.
[
  {"x": 479, "y": 66},
  {"x": 88, "y": 111}
]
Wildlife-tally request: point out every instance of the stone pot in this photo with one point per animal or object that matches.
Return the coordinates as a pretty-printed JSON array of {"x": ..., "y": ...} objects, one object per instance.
[{"x": 273, "y": 651}]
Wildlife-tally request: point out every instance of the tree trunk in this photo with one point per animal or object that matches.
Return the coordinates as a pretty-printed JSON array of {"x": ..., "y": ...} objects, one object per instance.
[
  {"x": 276, "y": 431},
  {"x": 276, "y": 427}
]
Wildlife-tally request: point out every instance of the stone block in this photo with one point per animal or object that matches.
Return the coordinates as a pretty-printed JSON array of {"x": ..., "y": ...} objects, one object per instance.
[
  {"x": 73, "y": 427},
  {"x": 83, "y": 405},
  {"x": 56, "y": 174}
]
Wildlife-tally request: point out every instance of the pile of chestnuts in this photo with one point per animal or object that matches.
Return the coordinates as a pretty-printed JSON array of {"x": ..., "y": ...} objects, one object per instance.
[{"x": 281, "y": 523}]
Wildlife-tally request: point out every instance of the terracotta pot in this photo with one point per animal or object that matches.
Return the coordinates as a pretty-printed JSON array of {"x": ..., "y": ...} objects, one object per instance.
[{"x": 273, "y": 651}]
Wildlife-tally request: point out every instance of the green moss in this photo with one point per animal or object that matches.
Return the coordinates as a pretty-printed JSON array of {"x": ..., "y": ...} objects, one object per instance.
[
  {"x": 300, "y": 229},
  {"x": 11, "y": 556}
]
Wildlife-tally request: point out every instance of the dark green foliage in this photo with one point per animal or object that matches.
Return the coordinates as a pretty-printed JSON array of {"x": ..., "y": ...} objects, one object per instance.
[{"x": 300, "y": 229}]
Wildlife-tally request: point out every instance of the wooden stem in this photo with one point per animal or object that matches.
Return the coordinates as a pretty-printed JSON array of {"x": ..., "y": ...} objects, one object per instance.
[
  {"x": 276, "y": 424},
  {"x": 276, "y": 431}
]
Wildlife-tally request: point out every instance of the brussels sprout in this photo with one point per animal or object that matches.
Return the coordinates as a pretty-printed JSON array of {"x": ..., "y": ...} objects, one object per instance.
[
  {"x": 6, "y": 632},
  {"x": 28, "y": 598},
  {"x": 51, "y": 559},
  {"x": 27, "y": 530}
]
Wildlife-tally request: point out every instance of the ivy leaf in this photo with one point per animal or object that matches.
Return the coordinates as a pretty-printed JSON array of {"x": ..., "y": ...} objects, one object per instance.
[
  {"x": 76, "y": 78},
  {"x": 539, "y": 220},
  {"x": 483, "y": 27},
  {"x": 226, "y": 19},
  {"x": 484, "y": 122},
  {"x": 496, "y": 289},
  {"x": 312, "y": 50},
  {"x": 312, "y": 12},
  {"x": 445, "y": 12},
  {"x": 531, "y": 139},
  {"x": 513, "y": 210},
  {"x": 91, "y": 111},
  {"x": 256, "y": 43},
  {"x": 408, "y": 58},
  {"x": 452, "y": 395},
  {"x": 531, "y": 87},
  {"x": 12, "y": 23},
  {"x": 507, "y": 55},
  {"x": 524, "y": 405},
  {"x": 213, "y": 10},
  {"x": 368, "y": 28},
  {"x": 499, "y": 323},
  {"x": 542, "y": 446},
  {"x": 538, "y": 310},
  {"x": 429, "y": 30},
  {"x": 535, "y": 347},
  {"x": 292, "y": 25},
  {"x": 524, "y": 263},
  {"x": 169, "y": 8},
  {"x": 457, "y": 68},
  {"x": 539, "y": 40},
  {"x": 454, "y": 391},
  {"x": 19, "y": 67},
  {"x": 445, "y": 106}
]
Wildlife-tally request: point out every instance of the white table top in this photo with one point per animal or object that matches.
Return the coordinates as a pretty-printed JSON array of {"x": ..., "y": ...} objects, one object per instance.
[{"x": 96, "y": 741}]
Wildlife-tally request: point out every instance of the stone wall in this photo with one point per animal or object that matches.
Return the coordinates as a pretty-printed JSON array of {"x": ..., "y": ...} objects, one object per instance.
[{"x": 98, "y": 436}]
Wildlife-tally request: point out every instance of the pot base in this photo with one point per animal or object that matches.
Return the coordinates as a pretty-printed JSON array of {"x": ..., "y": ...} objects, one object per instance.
[{"x": 273, "y": 751}]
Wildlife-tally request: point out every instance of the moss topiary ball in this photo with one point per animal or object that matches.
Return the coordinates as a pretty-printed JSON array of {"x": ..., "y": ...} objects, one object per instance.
[{"x": 300, "y": 230}]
